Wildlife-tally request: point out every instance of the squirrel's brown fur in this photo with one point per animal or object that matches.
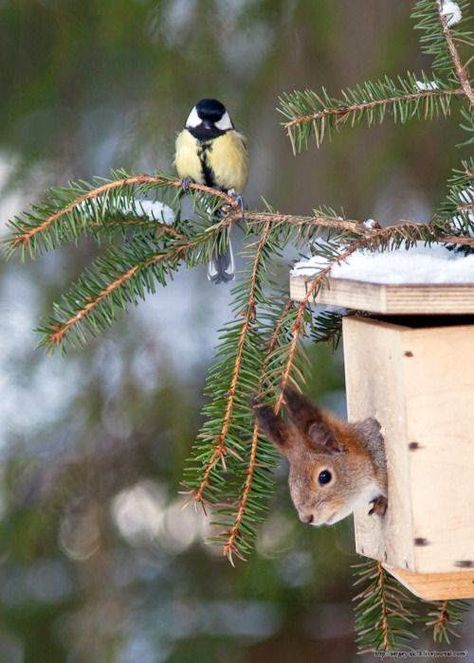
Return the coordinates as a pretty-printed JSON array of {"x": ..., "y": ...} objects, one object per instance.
[{"x": 318, "y": 445}]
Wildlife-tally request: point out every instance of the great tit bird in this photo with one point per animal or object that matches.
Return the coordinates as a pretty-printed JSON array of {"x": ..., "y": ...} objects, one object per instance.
[{"x": 210, "y": 151}]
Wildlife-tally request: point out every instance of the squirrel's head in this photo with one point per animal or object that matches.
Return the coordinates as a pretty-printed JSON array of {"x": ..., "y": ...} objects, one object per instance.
[{"x": 331, "y": 470}]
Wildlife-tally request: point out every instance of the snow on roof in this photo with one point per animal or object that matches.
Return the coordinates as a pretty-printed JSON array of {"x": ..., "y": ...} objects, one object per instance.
[{"x": 418, "y": 264}]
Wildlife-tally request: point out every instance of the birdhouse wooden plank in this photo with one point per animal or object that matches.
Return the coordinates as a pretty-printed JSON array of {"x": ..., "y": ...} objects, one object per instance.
[
  {"x": 419, "y": 384},
  {"x": 405, "y": 298},
  {"x": 415, "y": 374}
]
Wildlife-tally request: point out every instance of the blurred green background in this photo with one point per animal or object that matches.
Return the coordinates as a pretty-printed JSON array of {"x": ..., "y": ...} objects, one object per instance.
[{"x": 98, "y": 563}]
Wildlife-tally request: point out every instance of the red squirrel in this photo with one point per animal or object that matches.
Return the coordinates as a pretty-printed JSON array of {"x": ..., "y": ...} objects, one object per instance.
[{"x": 334, "y": 466}]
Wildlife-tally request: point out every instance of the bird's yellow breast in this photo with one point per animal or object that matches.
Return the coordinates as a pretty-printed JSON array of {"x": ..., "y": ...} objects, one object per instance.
[
  {"x": 227, "y": 157},
  {"x": 188, "y": 163},
  {"x": 220, "y": 162}
]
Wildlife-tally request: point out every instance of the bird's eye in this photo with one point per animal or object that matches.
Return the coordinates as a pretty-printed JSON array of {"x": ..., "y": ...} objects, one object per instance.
[{"x": 324, "y": 477}]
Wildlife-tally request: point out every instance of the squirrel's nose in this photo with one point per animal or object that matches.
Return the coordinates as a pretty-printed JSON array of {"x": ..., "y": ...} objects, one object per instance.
[{"x": 307, "y": 519}]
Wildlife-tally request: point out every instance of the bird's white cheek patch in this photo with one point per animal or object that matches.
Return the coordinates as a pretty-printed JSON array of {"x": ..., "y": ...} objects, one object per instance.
[
  {"x": 193, "y": 119},
  {"x": 224, "y": 123}
]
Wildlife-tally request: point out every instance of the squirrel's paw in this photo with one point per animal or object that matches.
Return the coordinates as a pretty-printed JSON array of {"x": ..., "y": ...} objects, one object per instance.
[{"x": 379, "y": 505}]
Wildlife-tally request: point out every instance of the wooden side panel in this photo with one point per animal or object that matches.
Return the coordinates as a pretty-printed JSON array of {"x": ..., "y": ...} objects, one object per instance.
[
  {"x": 373, "y": 358},
  {"x": 439, "y": 407},
  {"x": 419, "y": 383}
]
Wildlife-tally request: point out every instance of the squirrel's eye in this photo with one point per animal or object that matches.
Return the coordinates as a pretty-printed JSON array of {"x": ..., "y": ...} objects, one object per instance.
[{"x": 324, "y": 477}]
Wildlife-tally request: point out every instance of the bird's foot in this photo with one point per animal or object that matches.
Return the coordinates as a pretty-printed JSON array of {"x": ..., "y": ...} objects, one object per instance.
[
  {"x": 186, "y": 183},
  {"x": 238, "y": 198},
  {"x": 379, "y": 505}
]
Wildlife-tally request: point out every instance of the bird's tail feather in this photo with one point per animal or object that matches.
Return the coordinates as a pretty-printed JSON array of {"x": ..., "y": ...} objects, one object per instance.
[{"x": 221, "y": 266}]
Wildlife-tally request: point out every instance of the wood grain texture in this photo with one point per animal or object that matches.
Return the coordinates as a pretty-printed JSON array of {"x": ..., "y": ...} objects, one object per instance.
[
  {"x": 436, "y": 586},
  {"x": 422, "y": 299},
  {"x": 419, "y": 384},
  {"x": 373, "y": 360}
]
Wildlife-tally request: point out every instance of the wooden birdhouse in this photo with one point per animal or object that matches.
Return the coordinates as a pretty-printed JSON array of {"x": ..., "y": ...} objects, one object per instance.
[{"x": 409, "y": 362}]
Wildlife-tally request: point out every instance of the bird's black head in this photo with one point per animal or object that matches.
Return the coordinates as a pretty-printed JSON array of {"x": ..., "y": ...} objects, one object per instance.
[
  {"x": 210, "y": 109},
  {"x": 208, "y": 119}
]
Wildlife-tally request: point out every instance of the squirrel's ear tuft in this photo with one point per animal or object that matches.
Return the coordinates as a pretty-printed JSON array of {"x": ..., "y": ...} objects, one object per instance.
[
  {"x": 324, "y": 437},
  {"x": 369, "y": 429},
  {"x": 273, "y": 426},
  {"x": 300, "y": 410},
  {"x": 311, "y": 421}
]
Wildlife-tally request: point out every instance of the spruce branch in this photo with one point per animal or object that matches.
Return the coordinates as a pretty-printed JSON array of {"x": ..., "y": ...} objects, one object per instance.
[
  {"x": 251, "y": 500},
  {"x": 308, "y": 112},
  {"x": 439, "y": 38},
  {"x": 317, "y": 220},
  {"x": 461, "y": 70},
  {"x": 333, "y": 255},
  {"x": 296, "y": 333},
  {"x": 382, "y": 610},
  {"x": 72, "y": 211},
  {"x": 457, "y": 240},
  {"x": 387, "y": 238},
  {"x": 90, "y": 305},
  {"x": 118, "y": 279},
  {"x": 468, "y": 126},
  {"x": 303, "y": 311},
  {"x": 276, "y": 347},
  {"x": 466, "y": 207},
  {"x": 326, "y": 326},
  {"x": 443, "y": 617},
  {"x": 456, "y": 213},
  {"x": 231, "y": 545},
  {"x": 232, "y": 536},
  {"x": 219, "y": 441}
]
